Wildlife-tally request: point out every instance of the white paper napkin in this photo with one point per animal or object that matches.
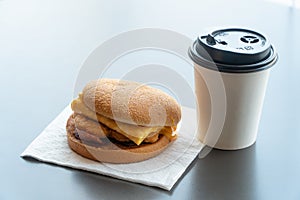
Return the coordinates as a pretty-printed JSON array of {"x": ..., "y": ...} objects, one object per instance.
[{"x": 162, "y": 171}]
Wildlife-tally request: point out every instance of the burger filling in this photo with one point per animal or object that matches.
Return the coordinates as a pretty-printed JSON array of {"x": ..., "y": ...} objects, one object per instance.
[
  {"x": 96, "y": 129},
  {"x": 96, "y": 134}
]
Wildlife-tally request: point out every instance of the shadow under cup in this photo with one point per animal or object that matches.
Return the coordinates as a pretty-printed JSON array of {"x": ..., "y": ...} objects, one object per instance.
[{"x": 230, "y": 84}]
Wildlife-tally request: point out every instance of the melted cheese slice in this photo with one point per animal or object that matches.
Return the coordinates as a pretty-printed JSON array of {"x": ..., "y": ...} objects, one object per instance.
[{"x": 134, "y": 132}]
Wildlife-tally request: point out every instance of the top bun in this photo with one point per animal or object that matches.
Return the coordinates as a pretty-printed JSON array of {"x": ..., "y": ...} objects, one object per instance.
[{"x": 131, "y": 102}]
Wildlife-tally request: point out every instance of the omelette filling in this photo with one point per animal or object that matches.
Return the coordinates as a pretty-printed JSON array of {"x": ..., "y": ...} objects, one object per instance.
[{"x": 93, "y": 127}]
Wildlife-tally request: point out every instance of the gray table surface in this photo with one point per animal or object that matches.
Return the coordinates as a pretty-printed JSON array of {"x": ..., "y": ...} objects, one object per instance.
[{"x": 42, "y": 46}]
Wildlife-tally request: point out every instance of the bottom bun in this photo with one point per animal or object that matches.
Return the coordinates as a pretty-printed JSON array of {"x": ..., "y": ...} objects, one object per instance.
[{"x": 115, "y": 153}]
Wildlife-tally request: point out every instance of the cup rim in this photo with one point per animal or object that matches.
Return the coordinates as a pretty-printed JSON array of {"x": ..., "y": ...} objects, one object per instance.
[{"x": 229, "y": 68}]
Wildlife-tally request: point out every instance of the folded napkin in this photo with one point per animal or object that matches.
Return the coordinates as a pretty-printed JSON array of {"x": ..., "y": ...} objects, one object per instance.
[{"x": 161, "y": 171}]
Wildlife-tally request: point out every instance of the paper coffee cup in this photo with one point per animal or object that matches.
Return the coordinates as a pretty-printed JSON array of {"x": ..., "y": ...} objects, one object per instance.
[{"x": 231, "y": 73}]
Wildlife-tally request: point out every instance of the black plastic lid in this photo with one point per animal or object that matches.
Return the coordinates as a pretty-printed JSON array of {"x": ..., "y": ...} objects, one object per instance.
[{"x": 233, "y": 50}]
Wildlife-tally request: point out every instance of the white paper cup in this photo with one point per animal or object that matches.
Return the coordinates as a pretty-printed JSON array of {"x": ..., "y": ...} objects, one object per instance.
[{"x": 230, "y": 96}]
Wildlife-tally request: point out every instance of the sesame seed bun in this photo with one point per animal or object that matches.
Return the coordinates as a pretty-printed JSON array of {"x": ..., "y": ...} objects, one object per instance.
[{"x": 131, "y": 102}]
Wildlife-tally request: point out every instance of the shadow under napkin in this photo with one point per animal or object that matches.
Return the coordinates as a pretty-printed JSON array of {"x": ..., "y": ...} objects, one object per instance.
[
  {"x": 99, "y": 186},
  {"x": 104, "y": 186}
]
